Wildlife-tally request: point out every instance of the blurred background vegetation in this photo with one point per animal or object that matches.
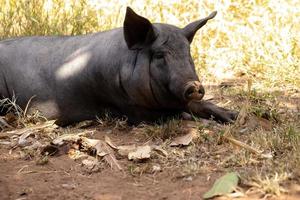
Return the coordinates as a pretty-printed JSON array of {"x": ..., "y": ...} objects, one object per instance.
[{"x": 254, "y": 39}]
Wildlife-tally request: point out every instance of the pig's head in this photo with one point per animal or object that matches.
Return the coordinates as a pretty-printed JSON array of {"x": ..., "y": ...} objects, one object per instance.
[{"x": 166, "y": 71}]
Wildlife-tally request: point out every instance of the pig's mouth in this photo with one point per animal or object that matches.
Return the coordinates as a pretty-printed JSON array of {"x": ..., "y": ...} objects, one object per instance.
[{"x": 193, "y": 91}]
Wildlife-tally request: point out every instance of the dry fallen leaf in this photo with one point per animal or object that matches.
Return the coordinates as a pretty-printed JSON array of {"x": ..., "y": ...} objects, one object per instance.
[
  {"x": 88, "y": 142},
  {"x": 109, "y": 142},
  {"x": 191, "y": 130},
  {"x": 160, "y": 150},
  {"x": 183, "y": 140},
  {"x": 107, "y": 153},
  {"x": 125, "y": 149},
  {"x": 102, "y": 149},
  {"x": 65, "y": 138},
  {"x": 140, "y": 153},
  {"x": 60, "y": 140}
]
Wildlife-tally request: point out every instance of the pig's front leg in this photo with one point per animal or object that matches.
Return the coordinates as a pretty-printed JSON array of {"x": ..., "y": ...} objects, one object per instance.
[{"x": 208, "y": 110}]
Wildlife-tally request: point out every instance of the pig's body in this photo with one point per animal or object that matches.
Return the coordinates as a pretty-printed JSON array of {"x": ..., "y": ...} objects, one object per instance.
[{"x": 74, "y": 78}]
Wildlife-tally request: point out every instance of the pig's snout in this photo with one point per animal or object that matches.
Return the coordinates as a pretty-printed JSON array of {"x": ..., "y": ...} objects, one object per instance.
[{"x": 193, "y": 91}]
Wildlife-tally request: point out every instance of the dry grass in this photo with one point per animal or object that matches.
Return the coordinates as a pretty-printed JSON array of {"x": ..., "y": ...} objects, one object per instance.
[
  {"x": 18, "y": 117},
  {"x": 257, "y": 41}
]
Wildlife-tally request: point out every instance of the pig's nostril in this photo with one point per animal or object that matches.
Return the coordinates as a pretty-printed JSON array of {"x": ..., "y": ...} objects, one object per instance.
[
  {"x": 201, "y": 90},
  {"x": 188, "y": 93}
]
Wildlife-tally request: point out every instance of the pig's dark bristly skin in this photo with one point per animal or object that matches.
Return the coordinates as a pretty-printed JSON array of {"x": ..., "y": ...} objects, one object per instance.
[{"x": 143, "y": 71}]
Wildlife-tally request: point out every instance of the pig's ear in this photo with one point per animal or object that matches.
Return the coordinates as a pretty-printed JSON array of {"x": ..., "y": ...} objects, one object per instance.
[
  {"x": 190, "y": 30},
  {"x": 138, "y": 31}
]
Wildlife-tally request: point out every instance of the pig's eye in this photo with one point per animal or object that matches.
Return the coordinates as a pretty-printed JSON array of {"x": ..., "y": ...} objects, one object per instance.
[{"x": 158, "y": 55}]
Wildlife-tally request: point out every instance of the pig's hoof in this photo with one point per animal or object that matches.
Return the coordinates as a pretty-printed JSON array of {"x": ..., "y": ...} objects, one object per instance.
[
  {"x": 228, "y": 116},
  {"x": 186, "y": 116},
  {"x": 233, "y": 115}
]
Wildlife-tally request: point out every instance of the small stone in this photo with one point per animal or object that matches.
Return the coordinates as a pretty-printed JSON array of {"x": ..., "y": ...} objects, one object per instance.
[{"x": 69, "y": 186}]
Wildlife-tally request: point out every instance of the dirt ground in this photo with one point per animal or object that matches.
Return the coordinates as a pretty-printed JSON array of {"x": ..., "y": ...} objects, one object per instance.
[
  {"x": 64, "y": 178},
  {"x": 185, "y": 173}
]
